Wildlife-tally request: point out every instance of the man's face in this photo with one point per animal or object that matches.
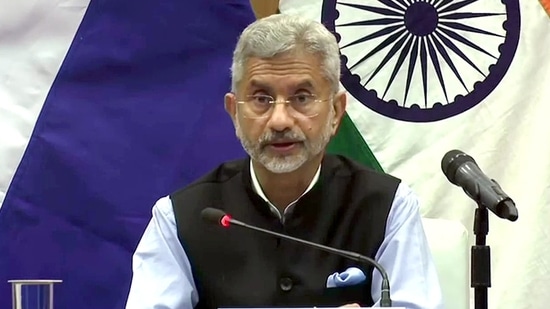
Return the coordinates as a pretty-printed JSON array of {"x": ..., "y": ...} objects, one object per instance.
[{"x": 285, "y": 136}]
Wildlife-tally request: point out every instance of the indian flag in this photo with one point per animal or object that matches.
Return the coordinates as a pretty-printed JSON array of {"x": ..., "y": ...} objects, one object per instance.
[{"x": 426, "y": 77}]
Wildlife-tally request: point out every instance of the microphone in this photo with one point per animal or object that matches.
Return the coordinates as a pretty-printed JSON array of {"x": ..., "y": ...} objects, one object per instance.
[
  {"x": 463, "y": 171},
  {"x": 218, "y": 216}
]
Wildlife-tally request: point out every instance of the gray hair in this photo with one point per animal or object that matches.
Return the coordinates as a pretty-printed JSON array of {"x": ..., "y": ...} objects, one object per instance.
[{"x": 281, "y": 33}]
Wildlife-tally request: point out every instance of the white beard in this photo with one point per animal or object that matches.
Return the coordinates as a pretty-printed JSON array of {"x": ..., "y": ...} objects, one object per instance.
[{"x": 286, "y": 164}]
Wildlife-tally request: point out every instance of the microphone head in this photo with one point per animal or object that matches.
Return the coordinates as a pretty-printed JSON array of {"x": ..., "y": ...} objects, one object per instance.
[
  {"x": 452, "y": 161},
  {"x": 212, "y": 215}
]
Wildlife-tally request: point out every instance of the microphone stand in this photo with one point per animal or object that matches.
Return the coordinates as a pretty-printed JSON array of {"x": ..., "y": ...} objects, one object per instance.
[{"x": 481, "y": 259}]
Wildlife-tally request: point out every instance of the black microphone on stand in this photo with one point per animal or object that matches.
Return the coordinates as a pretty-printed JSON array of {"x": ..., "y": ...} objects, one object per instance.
[
  {"x": 219, "y": 217},
  {"x": 463, "y": 171}
]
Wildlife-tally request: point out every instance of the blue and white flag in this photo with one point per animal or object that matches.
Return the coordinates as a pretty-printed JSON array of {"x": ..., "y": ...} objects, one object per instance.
[{"x": 104, "y": 107}]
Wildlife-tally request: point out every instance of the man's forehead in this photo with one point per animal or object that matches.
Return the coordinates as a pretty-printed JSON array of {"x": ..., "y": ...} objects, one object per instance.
[
  {"x": 297, "y": 59},
  {"x": 290, "y": 54},
  {"x": 289, "y": 70}
]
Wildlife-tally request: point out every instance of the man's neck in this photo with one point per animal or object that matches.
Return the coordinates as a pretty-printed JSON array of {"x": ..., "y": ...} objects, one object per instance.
[{"x": 281, "y": 189}]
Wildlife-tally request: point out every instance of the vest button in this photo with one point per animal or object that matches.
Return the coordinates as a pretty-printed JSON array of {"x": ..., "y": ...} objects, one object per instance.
[{"x": 285, "y": 284}]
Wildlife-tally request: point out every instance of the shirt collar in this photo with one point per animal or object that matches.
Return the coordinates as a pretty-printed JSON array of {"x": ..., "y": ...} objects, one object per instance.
[{"x": 258, "y": 189}]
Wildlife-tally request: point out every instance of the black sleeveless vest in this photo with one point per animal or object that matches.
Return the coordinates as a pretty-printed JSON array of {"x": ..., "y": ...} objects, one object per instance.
[{"x": 234, "y": 267}]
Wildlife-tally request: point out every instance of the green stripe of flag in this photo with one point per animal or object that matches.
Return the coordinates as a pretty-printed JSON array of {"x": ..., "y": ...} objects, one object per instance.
[{"x": 349, "y": 142}]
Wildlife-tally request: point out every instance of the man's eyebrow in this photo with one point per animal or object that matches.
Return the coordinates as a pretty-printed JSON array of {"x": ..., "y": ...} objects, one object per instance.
[
  {"x": 304, "y": 84},
  {"x": 259, "y": 84}
]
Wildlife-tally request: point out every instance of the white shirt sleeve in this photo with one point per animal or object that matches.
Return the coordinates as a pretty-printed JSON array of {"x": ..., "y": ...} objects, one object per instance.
[
  {"x": 406, "y": 256},
  {"x": 162, "y": 277}
]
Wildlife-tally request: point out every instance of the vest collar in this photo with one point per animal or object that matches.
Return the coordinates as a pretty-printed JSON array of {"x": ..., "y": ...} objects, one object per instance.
[{"x": 258, "y": 190}]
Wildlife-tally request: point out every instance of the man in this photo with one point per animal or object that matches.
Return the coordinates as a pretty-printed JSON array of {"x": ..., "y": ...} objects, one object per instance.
[{"x": 286, "y": 105}]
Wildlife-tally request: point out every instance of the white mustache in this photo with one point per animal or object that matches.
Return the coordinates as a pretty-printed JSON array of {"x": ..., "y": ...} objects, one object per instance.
[{"x": 281, "y": 137}]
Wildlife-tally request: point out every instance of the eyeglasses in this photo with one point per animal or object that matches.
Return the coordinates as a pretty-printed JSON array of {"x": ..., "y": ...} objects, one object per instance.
[{"x": 301, "y": 105}]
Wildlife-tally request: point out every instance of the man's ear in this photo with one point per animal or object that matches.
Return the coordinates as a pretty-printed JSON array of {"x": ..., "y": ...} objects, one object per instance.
[
  {"x": 230, "y": 104},
  {"x": 339, "y": 106}
]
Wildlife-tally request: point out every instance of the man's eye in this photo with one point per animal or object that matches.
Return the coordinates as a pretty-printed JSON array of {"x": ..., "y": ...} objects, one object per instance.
[
  {"x": 302, "y": 98},
  {"x": 262, "y": 99}
]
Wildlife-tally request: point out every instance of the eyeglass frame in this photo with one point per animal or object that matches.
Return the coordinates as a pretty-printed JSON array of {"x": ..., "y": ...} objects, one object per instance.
[{"x": 287, "y": 101}]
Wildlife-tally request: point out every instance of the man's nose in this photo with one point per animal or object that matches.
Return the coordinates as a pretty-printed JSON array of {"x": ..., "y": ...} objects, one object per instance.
[{"x": 280, "y": 118}]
